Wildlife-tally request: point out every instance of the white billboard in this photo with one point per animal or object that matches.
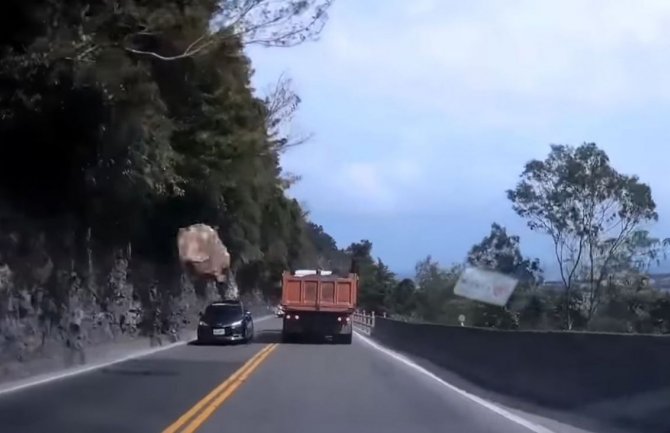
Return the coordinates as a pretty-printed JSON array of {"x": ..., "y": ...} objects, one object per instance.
[{"x": 485, "y": 286}]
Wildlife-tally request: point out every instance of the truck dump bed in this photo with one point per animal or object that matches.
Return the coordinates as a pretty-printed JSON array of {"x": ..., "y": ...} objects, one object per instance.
[{"x": 328, "y": 293}]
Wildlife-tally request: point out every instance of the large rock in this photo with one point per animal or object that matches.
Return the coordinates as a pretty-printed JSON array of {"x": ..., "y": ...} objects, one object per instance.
[{"x": 202, "y": 252}]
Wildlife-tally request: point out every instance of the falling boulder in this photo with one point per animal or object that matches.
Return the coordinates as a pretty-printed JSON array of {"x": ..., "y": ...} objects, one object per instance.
[{"x": 202, "y": 253}]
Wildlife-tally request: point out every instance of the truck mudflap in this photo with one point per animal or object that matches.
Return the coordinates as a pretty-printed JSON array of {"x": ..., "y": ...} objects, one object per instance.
[{"x": 336, "y": 327}]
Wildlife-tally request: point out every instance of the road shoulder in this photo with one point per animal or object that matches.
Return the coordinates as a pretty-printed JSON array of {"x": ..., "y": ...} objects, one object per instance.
[
  {"x": 100, "y": 356},
  {"x": 532, "y": 417}
]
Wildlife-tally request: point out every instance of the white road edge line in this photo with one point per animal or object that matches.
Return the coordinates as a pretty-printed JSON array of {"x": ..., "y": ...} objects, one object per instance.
[
  {"x": 52, "y": 377},
  {"x": 536, "y": 428}
]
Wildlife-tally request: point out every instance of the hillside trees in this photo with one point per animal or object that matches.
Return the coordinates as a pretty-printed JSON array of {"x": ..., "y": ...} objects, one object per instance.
[
  {"x": 379, "y": 288},
  {"x": 401, "y": 299},
  {"x": 434, "y": 290},
  {"x": 320, "y": 250},
  {"x": 375, "y": 277},
  {"x": 118, "y": 125}
]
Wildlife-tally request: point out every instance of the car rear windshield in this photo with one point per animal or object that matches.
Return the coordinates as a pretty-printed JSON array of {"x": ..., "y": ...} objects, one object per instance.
[{"x": 223, "y": 312}]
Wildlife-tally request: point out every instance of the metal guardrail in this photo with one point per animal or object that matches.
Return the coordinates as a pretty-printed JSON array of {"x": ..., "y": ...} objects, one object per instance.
[{"x": 364, "y": 322}]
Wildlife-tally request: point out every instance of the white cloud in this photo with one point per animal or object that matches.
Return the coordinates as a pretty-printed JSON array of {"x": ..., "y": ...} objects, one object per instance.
[
  {"x": 358, "y": 187},
  {"x": 367, "y": 182},
  {"x": 466, "y": 92},
  {"x": 595, "y": 53}
]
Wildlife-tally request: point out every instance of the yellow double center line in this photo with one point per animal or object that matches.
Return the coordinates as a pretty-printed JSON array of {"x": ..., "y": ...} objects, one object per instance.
[{"x": 203, "y": 409}]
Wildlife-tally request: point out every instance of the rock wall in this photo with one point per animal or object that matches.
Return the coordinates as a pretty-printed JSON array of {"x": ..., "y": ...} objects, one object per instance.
[{"x": 60, "y": 295}]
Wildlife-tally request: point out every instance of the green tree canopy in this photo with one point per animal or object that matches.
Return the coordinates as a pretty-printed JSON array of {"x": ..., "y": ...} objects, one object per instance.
[
  {"x": 588, "y": 209},
  {"x": 501, "y": 252},
  {"x": 122, "y": 121}
]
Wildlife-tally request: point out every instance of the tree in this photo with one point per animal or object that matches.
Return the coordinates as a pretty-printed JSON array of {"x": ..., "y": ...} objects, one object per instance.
[
  {"x": 360, "y": 254},
  {"x": 273, "y": 24},
  {"x": 630, "y": 300},
  {"x": 435, "y": 299},
  {"x": 429, "y": 275},
  {"x": 637, "y": 253},
  {"x": 140, "y": 118},
  {"x": 319, "y": 249},
  {"x": 142, "y": 28},
  {"x": 282, "y": 103},
  {"x": 588, "y": 209},
  {"x": 501, "y": 252},
  {"x": 376, "y": 295},
  {"x": 532, "y": 313},
  {"x": 376, "y": 279},
  {"x": 401, "y": 298}
]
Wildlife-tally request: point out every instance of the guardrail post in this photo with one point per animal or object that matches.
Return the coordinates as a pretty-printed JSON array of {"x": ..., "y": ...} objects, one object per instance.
[{"x": 365, "y": 321}]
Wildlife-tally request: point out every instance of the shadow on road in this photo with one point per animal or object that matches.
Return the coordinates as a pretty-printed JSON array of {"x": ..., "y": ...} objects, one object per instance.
[
  {"x": 274, "y": 336},
  {"x": 267, "y": 337},
  {"x": 216, "y": 343},
  {"x": 139, "y": 372},
  {"x": 148, "y": 391}
]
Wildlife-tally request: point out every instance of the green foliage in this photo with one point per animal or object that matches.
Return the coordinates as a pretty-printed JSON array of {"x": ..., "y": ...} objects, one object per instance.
[
  {"x": 123, "y": 121},
  {"x": 589, "y": 210},
  {"x": 501, "y": 252},
  {"x": 637, "y": 253},
  {"x": 435, "y": 288},
  {"x": 131, "y": 119},
  {"x": 375, "y": 277},
  {"x": 593, "y": 215},
  {"x": 320, "y": 250},
  {"x": 575, "y": 197}
]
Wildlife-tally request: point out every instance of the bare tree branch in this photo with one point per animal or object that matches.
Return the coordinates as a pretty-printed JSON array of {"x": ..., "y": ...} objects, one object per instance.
[
  {"x": 270, "y": 23},
  {"x": 189, "y": 52},
  {"x": 281, "y": 105}
]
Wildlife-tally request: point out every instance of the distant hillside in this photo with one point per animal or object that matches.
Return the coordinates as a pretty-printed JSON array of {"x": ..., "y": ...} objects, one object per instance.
[{"x": 660, "y": 281}]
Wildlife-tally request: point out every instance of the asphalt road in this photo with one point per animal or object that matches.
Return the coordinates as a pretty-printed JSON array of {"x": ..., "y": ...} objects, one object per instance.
[{"x": 260, "y": 387}]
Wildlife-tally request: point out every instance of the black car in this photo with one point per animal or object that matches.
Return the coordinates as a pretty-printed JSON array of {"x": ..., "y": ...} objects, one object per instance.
[{"x": 225, "y": 321}]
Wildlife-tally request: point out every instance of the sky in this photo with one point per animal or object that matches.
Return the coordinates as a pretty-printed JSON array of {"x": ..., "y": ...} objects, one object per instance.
[{"x": 424, "y": 113}]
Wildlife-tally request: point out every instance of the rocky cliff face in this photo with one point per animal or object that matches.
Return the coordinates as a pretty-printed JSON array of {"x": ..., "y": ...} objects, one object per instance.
[{"x": 60, "y": 295}]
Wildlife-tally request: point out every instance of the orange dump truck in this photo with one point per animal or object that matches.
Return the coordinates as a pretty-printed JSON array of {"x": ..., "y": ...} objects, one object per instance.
[{"x": 318, "y": 304}]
